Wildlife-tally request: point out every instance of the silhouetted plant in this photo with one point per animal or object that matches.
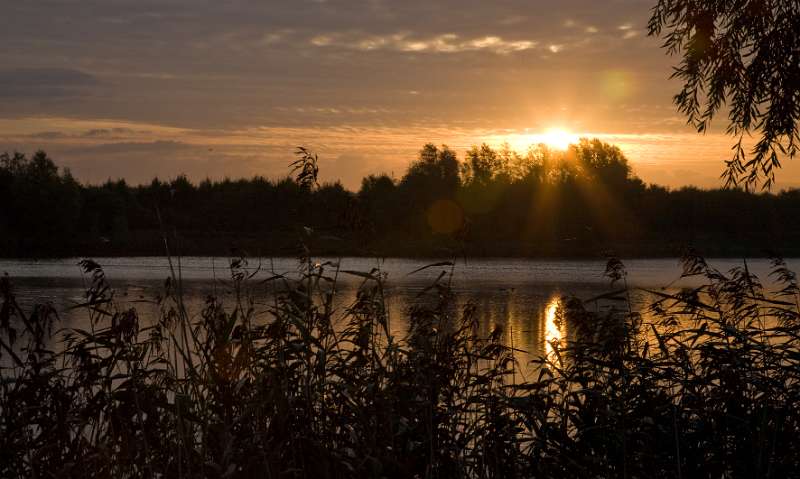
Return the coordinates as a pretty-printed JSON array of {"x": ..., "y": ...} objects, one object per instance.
[
  {"x": 306, "y": 168},
  {"x": 709, "y": 389}
]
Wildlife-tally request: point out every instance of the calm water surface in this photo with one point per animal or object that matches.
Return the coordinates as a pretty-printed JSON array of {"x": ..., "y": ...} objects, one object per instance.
[{"x": 517, "y": 294}]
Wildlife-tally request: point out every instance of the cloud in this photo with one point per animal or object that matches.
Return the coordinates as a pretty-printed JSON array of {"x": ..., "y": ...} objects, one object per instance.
[
  {"x": 405, "y": 42},
  {"x": 44, "y": 83},
  {"x": 111, "y": 132},
  {"x": 128, "y": 147},
  {"x": 48, "y": 135}
]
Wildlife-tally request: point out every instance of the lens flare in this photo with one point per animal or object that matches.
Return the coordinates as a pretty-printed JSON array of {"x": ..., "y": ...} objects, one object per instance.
[{"x": 445, "y": 217}]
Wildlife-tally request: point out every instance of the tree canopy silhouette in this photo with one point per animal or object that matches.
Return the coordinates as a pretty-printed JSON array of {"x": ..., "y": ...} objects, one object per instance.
[
  {"x": 543, "y": 202},
  {"x": 743, "y": 55},
  {"x": 39, "y": 205}
]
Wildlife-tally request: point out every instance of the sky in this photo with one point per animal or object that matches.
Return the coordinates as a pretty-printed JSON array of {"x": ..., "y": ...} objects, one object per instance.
[{"x": 136, "y": 89}]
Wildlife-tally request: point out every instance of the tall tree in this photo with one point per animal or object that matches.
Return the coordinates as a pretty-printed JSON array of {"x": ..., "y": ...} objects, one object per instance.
[
  {"x": 434, "y": 175},
  {"x": 481, "y": 164}
]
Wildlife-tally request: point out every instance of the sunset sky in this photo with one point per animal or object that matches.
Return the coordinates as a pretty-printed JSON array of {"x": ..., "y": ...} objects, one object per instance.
[{"x": 146, "y": 88}]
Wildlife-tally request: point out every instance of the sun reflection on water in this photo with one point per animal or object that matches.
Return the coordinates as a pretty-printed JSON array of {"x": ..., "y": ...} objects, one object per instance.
[{"x": 553, "y": 333}]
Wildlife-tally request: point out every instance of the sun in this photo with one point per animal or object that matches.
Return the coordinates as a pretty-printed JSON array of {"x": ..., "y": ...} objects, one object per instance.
[{"x": 557, "y": 138}]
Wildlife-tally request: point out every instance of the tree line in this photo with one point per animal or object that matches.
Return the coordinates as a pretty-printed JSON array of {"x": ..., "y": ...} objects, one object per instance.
[{"x": 584, "y": 201}]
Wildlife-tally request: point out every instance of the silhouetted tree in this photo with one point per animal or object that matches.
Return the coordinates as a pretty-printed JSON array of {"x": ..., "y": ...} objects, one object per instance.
[
  {"x": 547, "y": 202},
  {"x": 38, "y": 200},
  {"x": 378, "y": 195},
  {"x": 435, "y": 173},
  {"x": 481, "y": 165},
  {"x": 434, "y": 176},
  {"x": 601, "y": 162},
  {"x": 744, "y": 55}
]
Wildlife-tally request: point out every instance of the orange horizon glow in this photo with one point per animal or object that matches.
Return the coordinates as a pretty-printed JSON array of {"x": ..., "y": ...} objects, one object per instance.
[
  {"x": 98, "y": 149},
  {"x": 554, "y": 138}
]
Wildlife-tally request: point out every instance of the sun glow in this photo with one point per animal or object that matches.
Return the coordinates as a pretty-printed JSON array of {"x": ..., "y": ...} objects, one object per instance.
[{"x": 557, "y": 138}]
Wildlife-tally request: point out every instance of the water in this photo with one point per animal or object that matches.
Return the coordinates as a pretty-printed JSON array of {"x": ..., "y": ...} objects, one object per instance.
[{"x": 517, "y": 294}]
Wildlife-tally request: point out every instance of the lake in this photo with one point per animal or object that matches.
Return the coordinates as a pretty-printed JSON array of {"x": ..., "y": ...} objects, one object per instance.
[{"x": 517, "y": 294}]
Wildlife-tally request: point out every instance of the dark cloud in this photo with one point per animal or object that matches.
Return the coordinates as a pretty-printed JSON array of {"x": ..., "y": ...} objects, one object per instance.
[{"x": 39, "y": 83}]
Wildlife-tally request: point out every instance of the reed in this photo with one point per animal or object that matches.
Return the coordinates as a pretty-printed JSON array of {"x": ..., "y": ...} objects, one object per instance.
[{"x": 301, "y": 389}]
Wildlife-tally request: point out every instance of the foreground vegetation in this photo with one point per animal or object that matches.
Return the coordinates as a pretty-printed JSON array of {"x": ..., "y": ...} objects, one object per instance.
[
  {"x": 489, "y": 202},
  {"x": 286, "y": 385}
]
